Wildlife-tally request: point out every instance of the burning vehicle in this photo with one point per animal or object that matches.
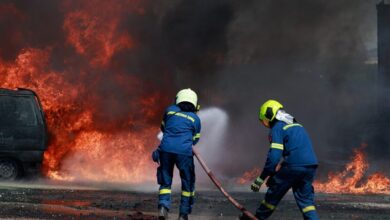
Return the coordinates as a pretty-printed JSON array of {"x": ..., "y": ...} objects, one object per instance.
[{"x": 23, "y": 134}]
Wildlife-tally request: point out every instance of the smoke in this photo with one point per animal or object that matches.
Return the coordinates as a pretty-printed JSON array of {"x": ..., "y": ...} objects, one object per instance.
[
  {"x": 311, "y": 56},
  {"x": 125, "y": 60}
]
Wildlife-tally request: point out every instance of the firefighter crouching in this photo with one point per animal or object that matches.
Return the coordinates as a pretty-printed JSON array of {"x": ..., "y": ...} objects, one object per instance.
[
  {"x": 290, "y": 141},
  {"x": 181, "y": 130}
]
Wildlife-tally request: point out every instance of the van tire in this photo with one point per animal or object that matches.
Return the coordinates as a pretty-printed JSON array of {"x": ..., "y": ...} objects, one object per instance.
[{"x": 9, "y": 169}]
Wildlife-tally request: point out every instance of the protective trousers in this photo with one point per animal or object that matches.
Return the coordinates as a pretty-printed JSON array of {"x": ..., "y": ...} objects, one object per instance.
[
  {"x": 186, "y": 167},
  {"x": 300, "y": 179}
]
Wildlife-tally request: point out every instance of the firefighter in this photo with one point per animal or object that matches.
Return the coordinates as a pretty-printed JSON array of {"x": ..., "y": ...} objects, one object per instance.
[
  {"x": 290, "y": 141},
  {"x": 181, "y": 130}
]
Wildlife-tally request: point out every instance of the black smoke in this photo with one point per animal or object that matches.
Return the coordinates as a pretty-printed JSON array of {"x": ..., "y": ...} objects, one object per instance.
[{"x": 313, "y": 57}]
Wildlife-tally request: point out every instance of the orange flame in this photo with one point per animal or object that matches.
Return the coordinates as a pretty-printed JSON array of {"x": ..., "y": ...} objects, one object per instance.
[
  {"x": 248, "y": 176},
  {"x": 79, "y": 150},
  {"x": 93, "y": 31},
  {"x": 88, "y": 141},
  {"x": 352, "y": 179}
]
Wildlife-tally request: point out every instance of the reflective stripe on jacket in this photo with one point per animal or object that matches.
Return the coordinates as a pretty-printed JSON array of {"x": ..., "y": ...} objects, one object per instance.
[
  {"x": 180, "y": 130},
  {"x": 290, "y": 142}
]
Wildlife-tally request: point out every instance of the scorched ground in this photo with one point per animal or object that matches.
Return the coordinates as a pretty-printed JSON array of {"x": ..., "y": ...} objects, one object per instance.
[{"x": 48, "y": 201}]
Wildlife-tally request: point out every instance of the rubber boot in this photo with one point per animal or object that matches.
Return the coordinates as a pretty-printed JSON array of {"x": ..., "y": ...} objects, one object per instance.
[
  {"x": 183, "y": 217},
  {"x": 163, "y": 213}
]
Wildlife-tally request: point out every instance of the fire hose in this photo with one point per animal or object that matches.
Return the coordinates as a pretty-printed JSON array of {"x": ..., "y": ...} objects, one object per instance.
[{"x": 219, "y": 186}]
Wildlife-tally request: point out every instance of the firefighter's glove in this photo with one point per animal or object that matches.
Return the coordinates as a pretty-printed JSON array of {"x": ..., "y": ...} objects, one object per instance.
[
  {"x": 255, "y": 187},
  {"x": 156, "y": 156}
]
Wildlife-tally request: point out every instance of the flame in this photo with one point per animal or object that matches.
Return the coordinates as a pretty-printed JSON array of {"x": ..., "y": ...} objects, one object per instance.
[
  {"x": 79, "y": 150},
  {"x": 93, "y": 31},
  {"x": 248, "y": 176},
  {"x": 353, "y": 179},
  {"x": 102, "y": 120}
]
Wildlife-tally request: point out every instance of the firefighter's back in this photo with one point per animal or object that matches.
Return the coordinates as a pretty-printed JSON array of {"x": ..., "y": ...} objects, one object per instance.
[
  {"x": 298, "y": 146},
  {"x": 179, "y": 129}
]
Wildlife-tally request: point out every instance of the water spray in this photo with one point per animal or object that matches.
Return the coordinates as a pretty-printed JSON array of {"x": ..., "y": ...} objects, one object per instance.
[{"x": 215, "y": 123}]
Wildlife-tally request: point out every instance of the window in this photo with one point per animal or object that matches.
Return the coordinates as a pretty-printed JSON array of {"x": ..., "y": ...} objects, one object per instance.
[{"x": 17, "y": 111}]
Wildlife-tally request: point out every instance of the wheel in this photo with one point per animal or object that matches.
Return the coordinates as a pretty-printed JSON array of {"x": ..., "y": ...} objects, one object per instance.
[{"x": 9, "y": 169}]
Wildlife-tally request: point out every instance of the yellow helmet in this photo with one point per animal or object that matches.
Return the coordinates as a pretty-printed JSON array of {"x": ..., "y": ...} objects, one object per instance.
[
  {"x": 187, "y": 95},
  {"x": 269, "y": 109}
]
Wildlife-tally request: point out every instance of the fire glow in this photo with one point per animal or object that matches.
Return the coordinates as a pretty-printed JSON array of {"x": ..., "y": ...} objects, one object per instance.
[
  {"x": 353, "y": 179},
  {"x": 249, "y": 176},
  {"x": 100, "y": 118}
]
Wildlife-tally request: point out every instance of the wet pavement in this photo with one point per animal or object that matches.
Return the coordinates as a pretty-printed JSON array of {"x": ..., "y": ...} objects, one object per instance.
[{"x": 40, "y": 201}]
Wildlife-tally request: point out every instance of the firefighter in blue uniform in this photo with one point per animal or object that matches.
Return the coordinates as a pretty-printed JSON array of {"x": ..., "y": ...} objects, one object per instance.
[
  {"x": 288, "y": 140},
  {"x": 181, "y": 130}
]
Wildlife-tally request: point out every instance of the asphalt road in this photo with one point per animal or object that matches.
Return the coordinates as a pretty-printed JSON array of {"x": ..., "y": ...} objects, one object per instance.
[{"x": 59, "y": 201}]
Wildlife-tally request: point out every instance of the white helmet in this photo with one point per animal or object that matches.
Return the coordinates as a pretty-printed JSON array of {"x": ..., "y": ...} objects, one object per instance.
[{"x": 187, "y": 95}]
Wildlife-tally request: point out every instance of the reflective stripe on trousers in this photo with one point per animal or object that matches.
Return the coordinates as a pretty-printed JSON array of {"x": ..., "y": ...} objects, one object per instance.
[
  {"x": 300, "y": 179},
  {"x": 186, "y": 167}
]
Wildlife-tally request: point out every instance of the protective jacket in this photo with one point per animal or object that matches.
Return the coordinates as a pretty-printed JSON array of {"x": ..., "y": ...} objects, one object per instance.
[
  {"x": 291, "y": 142},
  {"x": 181, "y": 131}
]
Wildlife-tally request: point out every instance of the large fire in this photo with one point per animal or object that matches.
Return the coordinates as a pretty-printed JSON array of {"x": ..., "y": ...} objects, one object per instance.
[
  {"x": 102, "y": 120},
  {"x": 353, "y": 179}
]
